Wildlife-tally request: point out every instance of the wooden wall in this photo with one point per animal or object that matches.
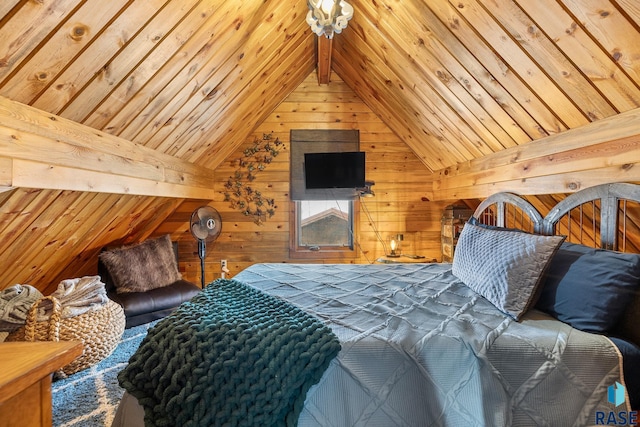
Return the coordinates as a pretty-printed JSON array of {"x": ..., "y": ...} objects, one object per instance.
[
  {"x": 469, "y": 86},
  {"x": 400, "y": 182},
  {"x": 52, "y": 235}
]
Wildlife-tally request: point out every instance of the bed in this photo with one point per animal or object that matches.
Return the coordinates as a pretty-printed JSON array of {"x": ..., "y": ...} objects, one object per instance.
[{"x": 523, "y": 328}]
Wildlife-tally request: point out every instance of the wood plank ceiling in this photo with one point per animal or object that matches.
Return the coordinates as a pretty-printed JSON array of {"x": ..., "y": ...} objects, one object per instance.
[
  {"x": 455, "y": 80},
  {"x": 187, "y": 78},
  {"x": 462, "y": 79}
]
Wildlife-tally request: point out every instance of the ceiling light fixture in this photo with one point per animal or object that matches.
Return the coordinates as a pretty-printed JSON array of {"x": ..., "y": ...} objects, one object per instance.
[{"x": 327, "y": 17}]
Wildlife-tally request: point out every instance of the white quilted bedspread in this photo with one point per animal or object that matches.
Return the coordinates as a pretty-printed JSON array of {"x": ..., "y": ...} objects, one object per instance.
[{"x": 419, "y": 348}]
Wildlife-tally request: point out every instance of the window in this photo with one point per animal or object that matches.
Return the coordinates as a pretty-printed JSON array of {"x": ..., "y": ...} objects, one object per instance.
[
  {"x": 323, "y": 228},
  {"x": 325, "y": 223}
]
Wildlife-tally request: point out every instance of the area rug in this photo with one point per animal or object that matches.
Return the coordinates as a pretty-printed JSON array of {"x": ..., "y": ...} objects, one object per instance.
[{"x": 90, "y": 398}]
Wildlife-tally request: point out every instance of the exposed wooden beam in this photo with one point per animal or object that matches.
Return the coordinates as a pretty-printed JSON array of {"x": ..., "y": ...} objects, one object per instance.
[
  {"x": 324, "y": 50},
  {"x": 607, "y": 150},
  {"x": 42, "y": 150}
]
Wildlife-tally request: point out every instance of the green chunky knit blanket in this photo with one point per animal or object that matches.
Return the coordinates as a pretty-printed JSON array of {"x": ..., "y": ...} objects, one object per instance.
[{"x": 232, "y": 356}]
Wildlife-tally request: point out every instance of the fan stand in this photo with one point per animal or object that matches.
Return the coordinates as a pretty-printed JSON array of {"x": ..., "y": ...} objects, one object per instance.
[
  {"x": 205, "y": 224},
  {"x": 202, "y": 252}
]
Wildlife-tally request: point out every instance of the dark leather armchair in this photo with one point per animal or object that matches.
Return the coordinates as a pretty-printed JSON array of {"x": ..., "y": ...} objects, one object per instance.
[{"x": 144, "y": 307}]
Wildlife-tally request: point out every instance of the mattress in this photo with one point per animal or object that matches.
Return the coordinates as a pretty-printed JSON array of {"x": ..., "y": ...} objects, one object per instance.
[{"x": 419, "y": 348}]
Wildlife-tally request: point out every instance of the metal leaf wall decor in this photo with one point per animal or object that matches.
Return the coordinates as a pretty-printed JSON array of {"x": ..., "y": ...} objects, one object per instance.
[{"x": 239, "y": 191}]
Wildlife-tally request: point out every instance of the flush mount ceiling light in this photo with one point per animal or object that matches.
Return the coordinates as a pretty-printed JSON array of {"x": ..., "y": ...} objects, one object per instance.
[{"x": 327, "y": 17}]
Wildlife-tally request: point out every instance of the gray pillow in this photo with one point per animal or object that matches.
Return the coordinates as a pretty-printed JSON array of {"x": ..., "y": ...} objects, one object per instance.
[
  {"x": 142, "y": 267},
  {"x": 505, "y": 267}
]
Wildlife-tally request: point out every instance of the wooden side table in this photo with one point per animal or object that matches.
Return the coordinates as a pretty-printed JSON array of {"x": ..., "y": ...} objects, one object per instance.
[
  {"x": 26, "y": 370},
  {"x": 403, "y": 259}
]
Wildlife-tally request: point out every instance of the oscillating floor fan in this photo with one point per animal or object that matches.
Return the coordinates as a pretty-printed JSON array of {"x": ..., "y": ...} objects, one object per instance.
[{"x": 205, "y": 226}]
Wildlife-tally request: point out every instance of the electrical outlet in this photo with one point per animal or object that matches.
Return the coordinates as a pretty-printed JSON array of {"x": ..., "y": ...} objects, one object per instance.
[{"x": 223, "y": 263}]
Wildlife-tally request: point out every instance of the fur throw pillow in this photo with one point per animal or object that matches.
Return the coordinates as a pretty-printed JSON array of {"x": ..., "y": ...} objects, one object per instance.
[{"x": 142, "y": 267}]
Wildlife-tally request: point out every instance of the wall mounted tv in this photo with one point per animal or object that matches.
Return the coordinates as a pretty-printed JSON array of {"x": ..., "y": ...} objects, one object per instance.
[{"x": 334, "y": 170}]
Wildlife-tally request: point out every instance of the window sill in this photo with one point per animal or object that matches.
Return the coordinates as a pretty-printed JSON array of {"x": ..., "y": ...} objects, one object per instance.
[{"x": 323, "y": 254}]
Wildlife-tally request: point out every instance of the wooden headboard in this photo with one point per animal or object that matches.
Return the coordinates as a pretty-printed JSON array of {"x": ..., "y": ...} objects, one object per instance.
[{"x": 605, "y": 216}]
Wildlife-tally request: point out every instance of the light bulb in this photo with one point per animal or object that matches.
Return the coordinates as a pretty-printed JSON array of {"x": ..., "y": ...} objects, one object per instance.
[{"x": 327, "y": 5}]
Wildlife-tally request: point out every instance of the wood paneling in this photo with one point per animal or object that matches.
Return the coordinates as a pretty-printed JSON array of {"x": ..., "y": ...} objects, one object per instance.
[
  {"x": 52, "y": 235},
  {"x": 397, "y": 207},
  {"x": 174, "y": 85},
  {"x": 48, "y": 151},
  {"x": 604, "y": 151},
  {"x": 454, "y": 80},
  {"x": 439, "y": 86},
  {"x": 460, "y": 80}
]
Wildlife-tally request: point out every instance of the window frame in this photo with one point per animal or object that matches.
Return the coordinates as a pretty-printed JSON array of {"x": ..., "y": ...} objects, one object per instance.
[{"x": 297, "y": 251}]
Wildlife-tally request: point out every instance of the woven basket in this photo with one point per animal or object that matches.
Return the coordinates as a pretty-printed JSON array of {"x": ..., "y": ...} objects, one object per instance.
[{"x": 100, "y": 332}]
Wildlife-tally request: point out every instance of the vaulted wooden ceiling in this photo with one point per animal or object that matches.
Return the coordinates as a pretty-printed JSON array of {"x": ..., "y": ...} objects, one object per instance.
[
  {"x": 188, "y": 78},
  {"x": 462, "y": 79},
  {"x": 457, "y": 80},
  {"x": 191, "y": 79}
]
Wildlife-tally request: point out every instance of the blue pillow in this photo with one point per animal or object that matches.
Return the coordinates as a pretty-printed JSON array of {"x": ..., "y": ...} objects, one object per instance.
[{"x": 589, "y": 288}]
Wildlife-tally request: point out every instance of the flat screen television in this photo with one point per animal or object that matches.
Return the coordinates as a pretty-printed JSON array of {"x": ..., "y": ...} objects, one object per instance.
[{"x": 334, "y": 170}]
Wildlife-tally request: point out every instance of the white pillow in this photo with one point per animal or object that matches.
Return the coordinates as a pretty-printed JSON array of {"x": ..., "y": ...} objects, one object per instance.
[{"x": 505, "y": 267}]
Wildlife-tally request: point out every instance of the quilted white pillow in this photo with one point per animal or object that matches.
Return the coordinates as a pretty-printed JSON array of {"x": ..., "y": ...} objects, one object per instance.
[{"x": 503, "y": 266}]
